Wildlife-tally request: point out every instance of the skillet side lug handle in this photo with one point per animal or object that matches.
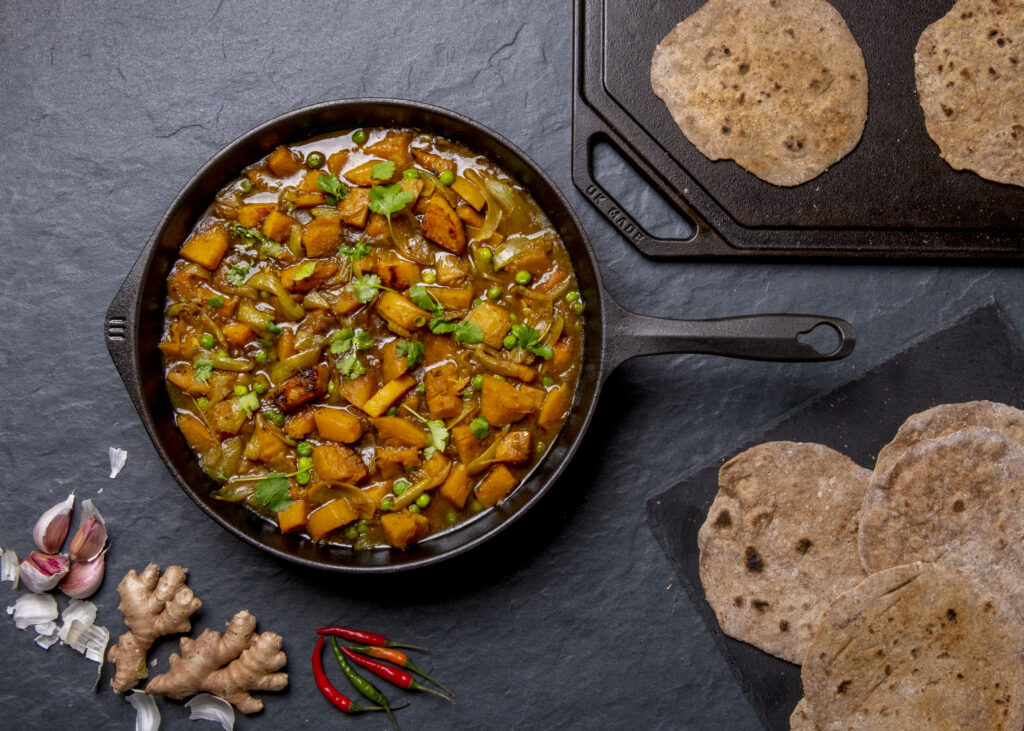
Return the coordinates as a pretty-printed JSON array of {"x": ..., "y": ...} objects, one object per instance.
[
  {"x": 120, "y": 333},
  {"x": 753, "y": 337}
]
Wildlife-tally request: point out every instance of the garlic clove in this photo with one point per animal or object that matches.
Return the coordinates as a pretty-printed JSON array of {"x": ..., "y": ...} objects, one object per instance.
[
  {"x": 41, "y": 572},
  {"x": 52, "y": 527},
  {"x": 91, "y": 535},
  {"x": 84, "y": 578}
]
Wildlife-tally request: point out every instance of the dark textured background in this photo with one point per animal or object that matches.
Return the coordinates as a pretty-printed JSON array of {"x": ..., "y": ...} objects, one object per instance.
[{"x": 573, "y": 618}]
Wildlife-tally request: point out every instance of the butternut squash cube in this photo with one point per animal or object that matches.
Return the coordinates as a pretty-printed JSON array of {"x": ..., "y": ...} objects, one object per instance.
[
  {"x": 293, "y": 517},
  {"x": 394, "y": 462},
  {"x": 196, "y": 433},
  {"x": 391, "y": 364},
  {"x": 514, "y": 447},
  {"x": 442, "y": 225},
  {"x": 395, "y": 147},
  {"x": 337, "y": 425},
  {"x": 237, "y": 333},
  {"x": 554, "y": 408},
  {"x": 396, "y": 272},
  {"x": 329, "y": 517},
  {"x": 450, "y": 269},
  {"x": 335, "y": 462},
  {"x": 457, "y": 487},
  {"x": 284, "y": 163},
  {"x": 251, "y": 215},
  {"x": 493, "y": 320},
  {"x": 401, "y": 529},
  {"x": 395, "y": 431},
  {"x": 388, "y": 394},
  {"x": 362, "y": 175},
  {"x": 467, "y": 446},
  {"x": 401, "y": 311},
  {"x": 322, "y": 271},
  {"x": 206, "y": 248},
  {"x": 300, "y": 424},
  {"x": 502, "y": 403},
  {"x": 278, "y": 226},
  {"x": 453, "y": 299},
  {"x": 354, "y": 208},
  {"x": 496, "y": 486},
  {"x": 434, "y": 163},
  {"x": 443, "y": 398}
]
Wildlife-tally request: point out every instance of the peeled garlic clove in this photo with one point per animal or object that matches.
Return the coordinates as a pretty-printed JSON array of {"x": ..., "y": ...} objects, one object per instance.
[
  {"x": 91, "y": 535},
  {"x": 52, "y": 527},
  {"x": 41, "y": 572},
  {"x": 84, "y": 578}
]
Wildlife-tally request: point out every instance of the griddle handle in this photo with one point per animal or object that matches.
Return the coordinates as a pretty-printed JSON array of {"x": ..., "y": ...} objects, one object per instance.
[
  {"x": 589, "y": 130},
  {"x": 775, "y": 337}
]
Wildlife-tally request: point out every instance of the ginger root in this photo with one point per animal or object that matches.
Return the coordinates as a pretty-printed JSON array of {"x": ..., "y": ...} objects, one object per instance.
[
  {"x": 152, "y": 608},
  {"x": 229, "y": 665}
]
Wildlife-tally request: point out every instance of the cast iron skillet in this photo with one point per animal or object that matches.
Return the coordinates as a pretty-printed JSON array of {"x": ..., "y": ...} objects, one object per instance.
[{"x": 613, "y": 334}]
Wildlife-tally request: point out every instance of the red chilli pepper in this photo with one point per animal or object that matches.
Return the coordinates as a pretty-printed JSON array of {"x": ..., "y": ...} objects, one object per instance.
[
  {"x": 364, "y": 638},
  {"x": 329, "y": 691},
  {"x": 399, "y": 658},
  {"x": 393, "y": 675}
]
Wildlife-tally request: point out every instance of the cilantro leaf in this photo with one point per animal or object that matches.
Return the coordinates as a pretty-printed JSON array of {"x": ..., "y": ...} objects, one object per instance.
[
  {"x": 250, "y": 402},
  {"x": 272, "y": 492},
  {"x": 529, "y": 339},
  {"x": 203, "y": 370},
  {"x": 411, "y": 350},
  {"x": 438, "y": 439},
  {"x": 424, "y": 300},
  {"x": 362, "y": 340},
  {"x": 333, "y": 187},
  {"x": 366, "y": 287},
  {"x": 257, "y": 240},
  {"x": 383, "y": 170},
  {"x": 469, "y": 333},
  {"x": 341, "y": 341},
  {"x": 388, "y": 199},
  {"x": 238, "y": 273},
  {"x": 350, "y": 366},
  {"x": 305, "y": 271},
  {"x": 480, "y": 427},
  {"x": 353, "y": 253},
  {"x": 441, "y": 326}
]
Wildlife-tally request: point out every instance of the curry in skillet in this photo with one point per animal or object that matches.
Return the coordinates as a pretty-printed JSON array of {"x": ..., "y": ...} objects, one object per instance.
[{"x": 371, "y": 337}]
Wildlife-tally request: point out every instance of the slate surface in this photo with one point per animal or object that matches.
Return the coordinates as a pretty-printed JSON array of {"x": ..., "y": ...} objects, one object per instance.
[
  {"x": 573, "y": 618},
  {"x": 857, "y": 419}
]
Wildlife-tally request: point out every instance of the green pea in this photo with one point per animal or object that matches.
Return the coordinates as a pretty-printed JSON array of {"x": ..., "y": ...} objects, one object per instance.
[
  {"x": 272, "y": 327},
  {"x": 451, "y": 516},
  {"x": 494, "y": 293},
  {"x": 203, "y": 403},
  {"x": 362, "y": 527},
  {"x": 467, "y": 393},
  {"x": 276, "y": 417},
  {"x": 303, "y": 478},
  {"x": 241, "y": 390},
  {"x": 217, "y": 301},
  {"x": 421, "y": 387},
  {"x": 387, "y": 503},
  {"x": 400, "y": 486},
  {"x": 486, "y": 253},
  {"x": 207, "y": 341},
  {"x": 259, "y": 388},
  {"x": 547, "y": 381},
  {"x": 411, "y": 174},
  {"x": 541, "y": 446},
  {"x": 261, "y": 356},
  {"x": 512, "y": 317},
  {"x": 359, "y": 136},
  {"x": 392, "y": 411},
  {"x": 572, "y": 297},
  {"x": 509, "y": 342},
  {"x": 245, "y": 185},
  {"x": 447, "y": 177},
  {"x": 478, "y": 381},
  {"x": 577, "y": 306},
  {"x": 351, "y": 533},
  {"x": 414, "y": 508},
  {"x": 315, "y": 160},
  {"x": 476, "y": 506},
  {"x": 523, "y": 277},
  {"x": 304, "y": 449},
  {"x": 429, "y": 276},
  {"x": 423, "y": 500},
  {"x": 305, "y": 463}
]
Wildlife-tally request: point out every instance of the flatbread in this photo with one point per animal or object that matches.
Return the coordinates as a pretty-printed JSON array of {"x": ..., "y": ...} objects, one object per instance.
[
  {"x": 917, "y": 646},
  {"x": 801, "y": 719},
  {"x": 948, "y": 418},
  {"x": 779, "y": 86},
  {"x": 959, "y": 500},
  {"x": 970, "y": 81},
  {"x": 780, "y": 541}
]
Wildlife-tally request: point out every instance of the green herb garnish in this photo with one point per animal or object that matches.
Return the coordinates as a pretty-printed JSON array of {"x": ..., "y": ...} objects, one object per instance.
[
  {"x": 249, "y": 402},
  {"x": 366, "y": 287},
  {"x": 411, "y": 350},
  {"x": 422, "y": 298},
  {"x": 354, "y": 253},
  {"x": 480, "y": 427},
  {"x": 529, "y": 339},
  {"x": 350, "y": 366},
  {"x": 238, "y": 273},
  {"x": 438, "y": 439},
  {"x": 203, "y": 370},
  {"x": 469, "y": 333},
  {"x": 341, "y": 341},
  {"x": 334, "y": 188},
  {"x": 272, "y": 492},
  {"x": 272, "y": 327},
  {"x": 388, "y": 199},
  {"x": 257, "y": 240},
  {"x": 383, "y": 170},
  {"x": 305, "y": 271}
]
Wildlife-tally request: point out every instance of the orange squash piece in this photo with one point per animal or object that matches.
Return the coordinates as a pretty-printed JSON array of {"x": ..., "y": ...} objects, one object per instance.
[
  {"x": 457, "y": 487},
  {"x": 401, "y": 529},
  {"x": 502, "y": 403},
  {"x": 337, "y": 425},
  {"x": 395, "y": 431},
  {"x": 283, "y": 162},
  {"x": 237, "y": 333},
  {"x": 388, "y": 394},
  {"x": 206, "y": 248},
  {"x": 354, "y": 208},
  {"x": 293, "y": 517},
  {"x": 514, "y": 447},
  {"x": 442, "y": 225},
  {"x": 338, "y": 463},
  {"x": 278, "y": 226},
  {"x": 328, "y": 518},
  {"x": 496, "y": 486}
]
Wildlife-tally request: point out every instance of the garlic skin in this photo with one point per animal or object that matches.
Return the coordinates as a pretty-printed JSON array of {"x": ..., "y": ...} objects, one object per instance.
[
  {"x": 84, "y": 578},
  {"x": 91, "y": 536},
  {"x": 41, "y": 572},
  {"x": 52, "y": 527}
]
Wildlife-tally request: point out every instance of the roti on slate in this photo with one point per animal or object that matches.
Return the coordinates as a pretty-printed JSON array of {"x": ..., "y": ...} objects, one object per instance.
[
  {"x": 969, "y": 67},
  {"x": 779, "y": 86},
  {"x": 917, "y": 646},
  {"x": 958, "y": 499},
  {"x": 948, "y": 418},
  {"x": 801, "y": 718},
  {"x": 779, "y": 542}
]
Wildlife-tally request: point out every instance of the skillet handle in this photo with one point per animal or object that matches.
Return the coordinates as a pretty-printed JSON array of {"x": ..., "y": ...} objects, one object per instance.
[
  {"x": 121, "y": 332},
  {"x": 753, "y": 337}
]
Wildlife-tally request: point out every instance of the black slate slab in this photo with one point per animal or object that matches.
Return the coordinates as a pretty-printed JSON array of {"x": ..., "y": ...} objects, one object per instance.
[{"x": 979, "y": 356}]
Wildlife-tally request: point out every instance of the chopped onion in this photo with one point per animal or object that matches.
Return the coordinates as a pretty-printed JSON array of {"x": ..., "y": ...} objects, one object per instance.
[
  {"x": 207, "y": 707},
  {"x": 33, "y": 609},
  {"x": 10, "y": 569},
  {"x": 118, "y": 457},
  {"x": 147, "y": 715}
]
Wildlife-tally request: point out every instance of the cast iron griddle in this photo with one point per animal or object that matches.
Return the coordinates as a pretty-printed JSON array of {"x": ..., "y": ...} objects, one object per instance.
[
  {"x": 893, "y": 196},
  {"x": 986, "y": 355}
]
